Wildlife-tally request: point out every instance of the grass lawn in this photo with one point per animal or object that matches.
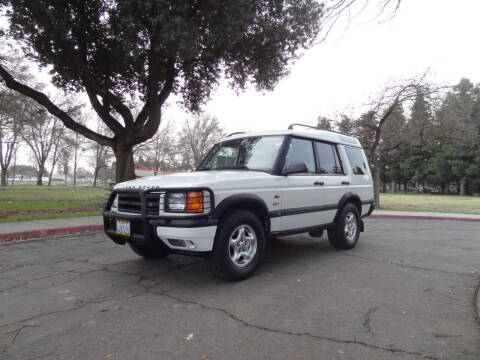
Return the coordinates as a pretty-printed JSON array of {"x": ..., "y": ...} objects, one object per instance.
[
  {"x": 431, "y": 203},
  {"x": 47, "y": 203}
]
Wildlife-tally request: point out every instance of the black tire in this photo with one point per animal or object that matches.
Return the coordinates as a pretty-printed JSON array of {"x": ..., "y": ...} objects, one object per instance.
[
  {"x": 337, "y": 235},
  {"x": 150, "y": 250},
  {"x": 220, "y": 262}
]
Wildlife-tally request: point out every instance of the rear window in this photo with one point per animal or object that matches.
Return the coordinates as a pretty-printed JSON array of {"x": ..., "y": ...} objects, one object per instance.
[
  {"x": 355, "y": 157},
  {"x": 328, "y": 159}
]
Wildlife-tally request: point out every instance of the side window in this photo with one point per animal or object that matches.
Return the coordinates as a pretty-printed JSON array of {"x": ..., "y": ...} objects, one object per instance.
[
  {"x": 301, "y": 150},
  {"x": 355, "y": 157},
  {"x": 328, "y": 159}
]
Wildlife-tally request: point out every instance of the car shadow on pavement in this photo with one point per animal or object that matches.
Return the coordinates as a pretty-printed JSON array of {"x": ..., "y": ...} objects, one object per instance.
[{"x": 283, "y": 255}]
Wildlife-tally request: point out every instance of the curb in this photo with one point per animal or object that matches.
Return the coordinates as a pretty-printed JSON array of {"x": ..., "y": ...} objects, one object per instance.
[
  {"x": 422, "y": 217},
  {"x": 23, "y": 235}
]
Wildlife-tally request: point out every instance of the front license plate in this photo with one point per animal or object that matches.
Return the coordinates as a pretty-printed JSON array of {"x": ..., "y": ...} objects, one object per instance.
[{"x": 123, "y": 227}]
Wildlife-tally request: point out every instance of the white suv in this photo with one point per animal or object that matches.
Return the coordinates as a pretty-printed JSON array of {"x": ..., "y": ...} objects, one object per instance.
[{"x": 248, "y": 189}]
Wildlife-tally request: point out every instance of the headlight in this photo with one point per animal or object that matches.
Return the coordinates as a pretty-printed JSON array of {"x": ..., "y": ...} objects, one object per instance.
[{"x": 190, "y": 202}]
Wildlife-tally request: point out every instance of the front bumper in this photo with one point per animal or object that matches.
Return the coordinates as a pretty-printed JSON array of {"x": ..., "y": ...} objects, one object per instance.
[{"x": 187, "y": 235}]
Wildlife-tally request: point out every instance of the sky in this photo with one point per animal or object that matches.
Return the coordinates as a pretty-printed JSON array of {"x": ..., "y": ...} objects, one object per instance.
[{"x": 340, "y": 74}]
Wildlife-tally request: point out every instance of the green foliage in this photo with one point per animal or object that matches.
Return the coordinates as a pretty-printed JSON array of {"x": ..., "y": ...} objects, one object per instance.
[
  {"x": 324, "y": 123},
  {"x": 123, "y": 45},
  {"x": 436, "y": 144}
]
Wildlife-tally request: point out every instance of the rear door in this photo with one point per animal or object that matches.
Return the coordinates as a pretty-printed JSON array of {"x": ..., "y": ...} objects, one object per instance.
[
  {"x": 303, "y": 194},
  {"x": 331, "y": 171}
]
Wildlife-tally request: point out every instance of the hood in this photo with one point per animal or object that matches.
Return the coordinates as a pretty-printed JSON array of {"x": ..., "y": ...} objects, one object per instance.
[{"x": 210, "y": 179}]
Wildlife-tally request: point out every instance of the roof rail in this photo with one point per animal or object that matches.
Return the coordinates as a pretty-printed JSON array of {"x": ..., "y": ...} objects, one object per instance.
[
  {"x": 236, "y": 133},
  {"x": 290, "y": 127},
  {"x": 315, "y": 128}
]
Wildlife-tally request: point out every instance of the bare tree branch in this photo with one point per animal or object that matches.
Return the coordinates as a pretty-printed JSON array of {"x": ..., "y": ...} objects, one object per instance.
[{"x": 43, "y": 100}]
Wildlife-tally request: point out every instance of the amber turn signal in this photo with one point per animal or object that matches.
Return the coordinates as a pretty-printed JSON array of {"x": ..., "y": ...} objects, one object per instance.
[{"x": 194, "y": 203}]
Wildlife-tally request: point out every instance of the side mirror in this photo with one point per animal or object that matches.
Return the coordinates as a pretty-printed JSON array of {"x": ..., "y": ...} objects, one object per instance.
[{"x": 295, "y": 168}]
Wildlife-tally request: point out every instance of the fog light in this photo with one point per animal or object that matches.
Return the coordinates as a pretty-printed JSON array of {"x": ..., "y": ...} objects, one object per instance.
[
  {"x": 190, "y": 244},
  {"x": 177, "y": 243}
]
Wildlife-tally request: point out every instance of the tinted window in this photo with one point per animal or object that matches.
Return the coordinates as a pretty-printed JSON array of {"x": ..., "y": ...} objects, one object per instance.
[
  {"x": 355, "y": 157},
  {"x": 328, "y": 159},
  {"x": 301, "y": 151}
]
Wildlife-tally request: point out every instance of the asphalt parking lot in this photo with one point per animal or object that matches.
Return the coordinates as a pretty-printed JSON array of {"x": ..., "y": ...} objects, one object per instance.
[{"x": 407, "y": 291}]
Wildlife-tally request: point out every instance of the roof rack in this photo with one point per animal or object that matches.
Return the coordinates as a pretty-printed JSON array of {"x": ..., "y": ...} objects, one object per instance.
[
  {"x": 236, "y": 133},
  {"x": 290, "y": 127}
]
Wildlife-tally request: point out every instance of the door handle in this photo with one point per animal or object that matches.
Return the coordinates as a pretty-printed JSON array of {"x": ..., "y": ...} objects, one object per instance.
[
  {"x": 345, "y": 182},
  {"x": 318, "y": 183}
]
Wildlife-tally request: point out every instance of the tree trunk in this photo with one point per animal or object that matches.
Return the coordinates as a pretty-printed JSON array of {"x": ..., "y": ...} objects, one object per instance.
[
  {"x": 41, "y": 169},
  {"x": 14, "y": 168},
  {"x": 66, "y": 179},
  {"x": 124, "y": 164},
  {"x": 4, "y": 177},
  {"x": 463, "y": 185},
  {"x": 95, "y": 176},
  {"x": 376, "y": 185},
  {"x": 74, "y": 174},
  {"x": 51, "y": 171}
]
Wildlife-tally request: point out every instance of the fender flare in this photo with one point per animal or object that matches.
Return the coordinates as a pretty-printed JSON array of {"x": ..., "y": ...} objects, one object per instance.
[
  {"x": 347, "y": 197},
  {"x": 234, "y": 200}
]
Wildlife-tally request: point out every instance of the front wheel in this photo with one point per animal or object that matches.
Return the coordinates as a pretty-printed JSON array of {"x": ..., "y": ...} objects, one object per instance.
[
  {"x": 346, "y": 231},
  {"x": 239, "y": 246}
]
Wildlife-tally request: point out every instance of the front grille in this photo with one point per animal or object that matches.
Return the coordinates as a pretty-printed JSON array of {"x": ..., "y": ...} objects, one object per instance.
[{"x": 130, "y": 203}]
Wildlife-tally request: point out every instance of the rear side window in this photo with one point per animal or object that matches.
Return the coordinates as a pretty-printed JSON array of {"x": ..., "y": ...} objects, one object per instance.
[
  {"x": 301, "y": 150},
  {"x": 355, "y": 157},
  {"x": 328, "y": 159}
]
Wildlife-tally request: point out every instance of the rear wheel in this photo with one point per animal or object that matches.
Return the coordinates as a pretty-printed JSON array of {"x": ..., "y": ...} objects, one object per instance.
[
  {"x": 346, "y": 231},
  {"x": 150, "y": 250},
  {"x": 239, "y": 246}
]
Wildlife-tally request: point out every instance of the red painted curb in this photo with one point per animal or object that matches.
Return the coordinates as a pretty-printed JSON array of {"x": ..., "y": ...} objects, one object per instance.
[
  {"x": 23, "y": 235},
  {"x": 422, "y": 217}
]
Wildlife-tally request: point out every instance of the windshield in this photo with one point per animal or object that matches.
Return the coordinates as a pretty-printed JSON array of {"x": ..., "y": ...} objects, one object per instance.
[{"x": 252, "y": 153}]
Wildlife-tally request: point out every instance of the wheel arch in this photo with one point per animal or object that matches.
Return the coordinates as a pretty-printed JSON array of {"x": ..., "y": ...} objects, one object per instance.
[
  {"x": 349, "y": 198},
  {"x": 250, "y": 202}
]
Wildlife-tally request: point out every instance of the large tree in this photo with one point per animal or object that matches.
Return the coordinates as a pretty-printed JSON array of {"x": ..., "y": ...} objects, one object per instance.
[
  {"x": 40, "y": 132},
  {"x": 197, "y": 136},
  {"x": 125, "y": 52},
  {"x": 10, "y": 113},
  {"x": 380, "y": 129}
]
